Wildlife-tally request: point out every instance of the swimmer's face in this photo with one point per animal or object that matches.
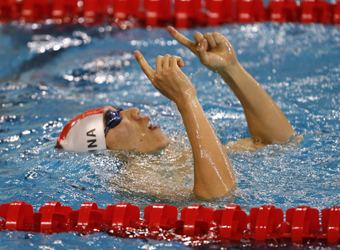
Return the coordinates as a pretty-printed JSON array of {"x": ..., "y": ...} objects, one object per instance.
[{"x": 136, "y": 133}]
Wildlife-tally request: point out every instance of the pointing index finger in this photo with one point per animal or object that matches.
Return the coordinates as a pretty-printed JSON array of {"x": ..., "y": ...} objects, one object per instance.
[
  {"x": 147, "y": 69},
  {"x": 182, "y": 39}
]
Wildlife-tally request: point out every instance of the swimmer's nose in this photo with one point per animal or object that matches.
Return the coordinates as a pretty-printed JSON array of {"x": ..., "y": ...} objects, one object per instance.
[{"x": 132, "y": 113}]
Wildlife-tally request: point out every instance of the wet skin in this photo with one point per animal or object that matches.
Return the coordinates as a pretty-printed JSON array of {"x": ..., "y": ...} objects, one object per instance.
[
  {"x": 213, "y": 173},
  {"x": 136, "y": 133}
]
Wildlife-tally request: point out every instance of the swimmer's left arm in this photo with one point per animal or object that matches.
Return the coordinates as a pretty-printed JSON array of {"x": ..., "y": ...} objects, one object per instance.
[
  {"x": 213, "y": 173},
  {"x": 266, "y": 122}
]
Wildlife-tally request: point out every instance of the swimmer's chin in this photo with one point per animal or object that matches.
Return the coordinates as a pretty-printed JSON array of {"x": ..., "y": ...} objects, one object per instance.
[
  {"x": 154, "y": 147},
  {"x": 159, "y": 147}
]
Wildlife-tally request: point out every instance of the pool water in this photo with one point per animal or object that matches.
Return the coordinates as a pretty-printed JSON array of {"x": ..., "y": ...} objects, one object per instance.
[{"x": 49, "y": 74}]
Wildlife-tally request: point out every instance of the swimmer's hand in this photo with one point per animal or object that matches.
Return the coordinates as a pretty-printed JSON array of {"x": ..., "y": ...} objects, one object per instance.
[
  {"x": 168, "y": 78},
  {"x": 213, "y": 49}
]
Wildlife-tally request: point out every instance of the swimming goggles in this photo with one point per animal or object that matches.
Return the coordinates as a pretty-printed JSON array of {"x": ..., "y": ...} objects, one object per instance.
[{"x": 112, "y": 119}]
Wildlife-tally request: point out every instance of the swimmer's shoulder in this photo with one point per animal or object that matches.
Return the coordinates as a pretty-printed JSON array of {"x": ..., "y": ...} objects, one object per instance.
[
  {"x": 249, "y": 144},
  {"x": 244, "y": 144}
]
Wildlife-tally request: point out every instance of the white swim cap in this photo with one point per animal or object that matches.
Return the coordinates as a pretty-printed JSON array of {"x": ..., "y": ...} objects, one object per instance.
[{"x": 84, "y": 133}]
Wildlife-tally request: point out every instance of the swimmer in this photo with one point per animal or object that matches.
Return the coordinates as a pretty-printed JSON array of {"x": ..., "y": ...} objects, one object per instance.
[{"x": 127, "y": 130}]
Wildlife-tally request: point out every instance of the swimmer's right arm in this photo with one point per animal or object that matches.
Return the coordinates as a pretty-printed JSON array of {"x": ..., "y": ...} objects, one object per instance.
[
  {"x": 213, "y": 173},
  {"x": 266, "y": 122}
]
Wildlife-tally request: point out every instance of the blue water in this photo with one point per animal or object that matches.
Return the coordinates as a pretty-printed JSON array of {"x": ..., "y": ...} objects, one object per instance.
[{"x": 49, "y": 74}]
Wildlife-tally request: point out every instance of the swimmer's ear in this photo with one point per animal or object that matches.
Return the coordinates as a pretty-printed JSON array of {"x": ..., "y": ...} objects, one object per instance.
[{"x": 147, "y": 69}]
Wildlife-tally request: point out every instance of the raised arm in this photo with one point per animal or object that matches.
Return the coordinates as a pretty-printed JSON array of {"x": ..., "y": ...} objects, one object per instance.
[
  {"x": 213, "y": 173},
  {"x": 266, "y": 122}
]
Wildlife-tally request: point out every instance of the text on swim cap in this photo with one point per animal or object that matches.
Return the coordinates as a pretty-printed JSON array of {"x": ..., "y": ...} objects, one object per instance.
[{"x": 91, "y": 143}]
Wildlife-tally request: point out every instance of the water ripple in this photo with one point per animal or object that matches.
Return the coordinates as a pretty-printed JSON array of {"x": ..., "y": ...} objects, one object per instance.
[{"x": 72, "y": 69}]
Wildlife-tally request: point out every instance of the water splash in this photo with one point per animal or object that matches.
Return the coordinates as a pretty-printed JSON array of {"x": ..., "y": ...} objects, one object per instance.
[{"x": 297, "y": 64}]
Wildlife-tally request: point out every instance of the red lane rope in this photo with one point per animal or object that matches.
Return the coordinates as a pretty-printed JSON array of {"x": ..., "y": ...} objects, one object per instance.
[
  {"x": 161, "y": 221},
  {"x": 196, "y": 222},
  {"x": 181, "y": 13}
]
